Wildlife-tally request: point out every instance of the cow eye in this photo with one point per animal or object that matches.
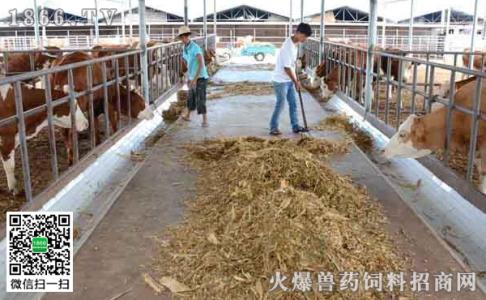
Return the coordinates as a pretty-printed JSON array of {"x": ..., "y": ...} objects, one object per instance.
[{"x": 402, "y": 134}]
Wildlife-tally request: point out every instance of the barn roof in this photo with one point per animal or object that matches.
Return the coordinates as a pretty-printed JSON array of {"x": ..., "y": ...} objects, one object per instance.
[
  {"x": 135, "y": 10},
  {"x": 341, "y": 11},
  {"x": 457, "y": 16},
  {"x": 240, "y": 7}
]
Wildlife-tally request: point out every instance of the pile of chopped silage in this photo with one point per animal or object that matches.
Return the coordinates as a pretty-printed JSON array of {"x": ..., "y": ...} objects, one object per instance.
[
  {"x": 246, "y": 88},
  {"x": 264, "y": 206},
  {"x": 176, "y": 108},
  {"x": 342, "y": 123}
]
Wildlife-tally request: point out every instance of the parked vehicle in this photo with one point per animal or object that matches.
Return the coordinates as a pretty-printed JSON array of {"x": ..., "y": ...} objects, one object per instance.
[{"x": 258, "y": 50}]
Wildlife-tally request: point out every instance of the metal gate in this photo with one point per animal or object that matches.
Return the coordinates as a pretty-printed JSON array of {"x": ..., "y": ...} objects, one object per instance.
[
  {"x": 409, "y": 85},
  {"x": 112, "y": 86}
]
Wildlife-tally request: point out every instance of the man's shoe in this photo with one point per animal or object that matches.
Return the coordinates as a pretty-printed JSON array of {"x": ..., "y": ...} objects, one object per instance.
[
  {"x": 300, "y": 129},
  {"x": 275, "y": 132}
]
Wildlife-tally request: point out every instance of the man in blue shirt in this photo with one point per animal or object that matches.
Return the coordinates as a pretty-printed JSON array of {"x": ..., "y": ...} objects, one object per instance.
[{"x": 197, "y": 75}]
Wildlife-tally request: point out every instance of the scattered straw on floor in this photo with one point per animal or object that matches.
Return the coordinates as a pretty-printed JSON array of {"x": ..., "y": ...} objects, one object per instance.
[
  {"x": 246, "y": 88},
  {"x": 251, "y": 67},
  {"x": 458, "y": 162},
  {"x": 213, "y": 68},
  {"x": 342, "y": 123},
  {"x": 264, "y": 206},
  {"x": 176, "y": 108}
]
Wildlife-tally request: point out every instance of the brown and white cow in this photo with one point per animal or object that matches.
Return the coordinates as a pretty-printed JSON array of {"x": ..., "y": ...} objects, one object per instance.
[
  {"x": 328, "y": 83},
  {"x": 59, "y": 81},
  {"x": 17, "y": 63},
  {"x": 103, "y": 50},
  {"x": 31, "y": 98},
  {"x": 419, "y": 136},
  {"x": 444, "y": 87},
  {"x": 359, "y": 59},
  {"x": 155, "y": 67}
]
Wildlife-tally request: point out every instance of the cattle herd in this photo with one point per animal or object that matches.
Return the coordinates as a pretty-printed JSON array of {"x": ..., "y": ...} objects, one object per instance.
[
  {"x": 122, "y": 97},
  {"x": 418, "y": 135},
  {"x": 326, "y": 77},
  {"x": 110, "y": 88}
]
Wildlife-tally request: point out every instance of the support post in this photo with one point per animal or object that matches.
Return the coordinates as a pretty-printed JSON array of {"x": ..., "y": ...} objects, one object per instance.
[
  {"x": 36, "y": 25},
  {"x": 321, "y": 31},
  {"x": 123, "y": 26},
  {"x": 290, "y": 19},
  {"x": 448, "y": 21},
  {"x": 447, "y": 26},
  {"x": 369, "y": 57},
  {"x": 383, "y": 27},
  {"x": 215, "y": 17},
  {"x": 44, "y": 33},
  {"x": 205, "y": 26},
  {"x": 97, "y": 28},
  {"x": 185, "y": 13},
  {"x": 410, "y": 27},
  {"x": 301, "y": 11},
  {"x": 130, "y": 19},
  {"x": 143, "y": 46},
  {"x": 473, "y": 33},
  {"x": 483, "y": 32}
]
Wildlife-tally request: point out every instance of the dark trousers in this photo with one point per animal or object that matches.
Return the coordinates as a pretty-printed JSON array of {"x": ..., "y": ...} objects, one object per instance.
[{"x": 197, "y": 97}]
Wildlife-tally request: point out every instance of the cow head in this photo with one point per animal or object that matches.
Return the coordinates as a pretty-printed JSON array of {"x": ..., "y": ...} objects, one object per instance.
[
  {"x": 209, "y": 56},
  {"x": 407, "y": 71},
  {"x": 43, "y": 59},
  {"x": 144, "y": 110},
  {"x": 40, "y": 60},
  {"x": 444, "y": 89},
  {"x": 138, "y": 107},
  {"x": 408, "y": 141},
  {"x": 326, "y": 92},
  {"x": 321, "y": 70}
]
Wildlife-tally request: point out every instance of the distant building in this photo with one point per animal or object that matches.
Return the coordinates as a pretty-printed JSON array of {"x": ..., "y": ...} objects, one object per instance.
[
  {"x": 245, "y": 13},
  {"x": 152, "y": 15},
  {"x": 315, "y": 18},
  {"x": 343, "y": 14},
  {"x": 440, "y": 16}
]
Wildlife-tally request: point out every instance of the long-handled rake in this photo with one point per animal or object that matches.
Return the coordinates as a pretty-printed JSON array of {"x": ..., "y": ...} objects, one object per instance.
[{"x": 306, "y": 129}]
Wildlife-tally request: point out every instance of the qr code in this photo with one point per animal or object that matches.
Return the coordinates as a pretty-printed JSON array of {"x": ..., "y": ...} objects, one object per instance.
[{"x": 39, "y": 252}]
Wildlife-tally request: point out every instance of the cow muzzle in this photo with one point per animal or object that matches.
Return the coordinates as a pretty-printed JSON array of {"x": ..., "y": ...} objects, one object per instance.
[{"x": 146, "y": 114}]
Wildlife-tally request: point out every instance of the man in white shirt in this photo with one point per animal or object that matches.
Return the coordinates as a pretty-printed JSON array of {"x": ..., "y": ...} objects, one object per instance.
[{"x": 284, "y": 79}]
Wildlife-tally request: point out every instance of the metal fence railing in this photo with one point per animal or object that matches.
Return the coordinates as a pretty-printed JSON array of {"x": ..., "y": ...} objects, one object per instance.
[
  {"x": 77, "y": 41},
  {"x": 41, "y": 108},
  {"x": 410, "y": 85}
]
